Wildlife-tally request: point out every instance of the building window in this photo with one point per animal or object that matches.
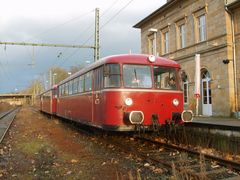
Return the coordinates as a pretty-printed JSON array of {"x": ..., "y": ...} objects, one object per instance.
[
  {"x": 166, "y": 42},
  {"x": 151, "y": 45},
  {"x": 202, "y": 28},
  {"x": 182, "y": 36}
]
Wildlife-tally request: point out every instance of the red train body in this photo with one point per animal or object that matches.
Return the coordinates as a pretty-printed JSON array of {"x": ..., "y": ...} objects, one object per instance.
[
  {"x": 119, "y": 92},
  {"x": 48, "y": 101}
]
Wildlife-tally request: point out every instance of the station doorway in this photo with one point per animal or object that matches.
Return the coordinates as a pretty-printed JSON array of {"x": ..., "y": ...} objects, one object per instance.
[{"x": 206, "y": 93}]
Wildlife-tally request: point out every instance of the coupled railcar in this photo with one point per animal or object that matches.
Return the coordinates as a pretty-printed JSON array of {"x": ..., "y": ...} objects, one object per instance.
[
  {"x": 48, "y": 101},
  {"x": 119, "y": 92}
]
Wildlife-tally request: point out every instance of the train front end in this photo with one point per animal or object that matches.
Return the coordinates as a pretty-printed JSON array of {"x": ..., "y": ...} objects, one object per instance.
[{"x": 149, "y": 95}]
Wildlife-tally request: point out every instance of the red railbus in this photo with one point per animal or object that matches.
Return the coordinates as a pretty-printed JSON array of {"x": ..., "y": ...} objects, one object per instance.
[{"x": 119, "y": 92}]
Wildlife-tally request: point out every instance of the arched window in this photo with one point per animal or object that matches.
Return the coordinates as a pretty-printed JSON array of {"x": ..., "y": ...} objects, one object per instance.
[
  {"x": 206, "y": 87},
  {"x": 205, "y": 74},
  {"x": 185, "y": 86}
]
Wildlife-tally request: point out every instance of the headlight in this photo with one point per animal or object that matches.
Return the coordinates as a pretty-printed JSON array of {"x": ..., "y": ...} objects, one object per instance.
[
  {"x": 175, "y": 102},
  {"x": 152, "y": 58},
  {"x": 128, "y": 101}
]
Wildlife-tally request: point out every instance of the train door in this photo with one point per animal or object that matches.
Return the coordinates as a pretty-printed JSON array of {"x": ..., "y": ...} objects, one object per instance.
[
  {"x": 54, "y": 100},
  {"x": 206, "y": 94},
  {"x": 50, "y": 101},
  {"x": 98, "y": 95}
]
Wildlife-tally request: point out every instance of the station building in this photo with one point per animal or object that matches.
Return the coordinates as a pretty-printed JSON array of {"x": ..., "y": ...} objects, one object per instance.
[{"x": 180, "y": 29}]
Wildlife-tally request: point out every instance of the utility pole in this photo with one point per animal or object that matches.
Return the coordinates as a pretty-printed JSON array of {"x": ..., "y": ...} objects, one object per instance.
[
  {"x": 96, "y": 43},
  {"x": 96, "y": 46},
  {"x": 50, "y": 78}
]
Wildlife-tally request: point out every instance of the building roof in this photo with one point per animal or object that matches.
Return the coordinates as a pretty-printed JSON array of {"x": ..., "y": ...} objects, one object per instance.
[
  {"x": 233, "y": 4},
  {"x": 155, "y": 13}
]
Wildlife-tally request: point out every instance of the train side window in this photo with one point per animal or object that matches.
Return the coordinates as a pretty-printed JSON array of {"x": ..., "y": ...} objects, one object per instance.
[
  {"x": 66, "y": 89},
  {"x": 70, "y": 87},
  {"x": 62, "y": 91},
  {"x": 75, "y": 85},
  {"x": 98, "y": 78},
  {"x": 88, "y": 81},
  {"x": 80, "y": 84},
  {"x": 59, "y": 91},
  {"x": 112, "y": 75},
  {"x": 47, "y": 95},
  {"x": 55, "y": 93}
]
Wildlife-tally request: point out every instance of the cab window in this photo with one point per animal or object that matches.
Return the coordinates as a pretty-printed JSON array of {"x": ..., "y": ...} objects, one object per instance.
[
  {"x": 112, "y": 76},
  {"x": 165, "y": 78}
]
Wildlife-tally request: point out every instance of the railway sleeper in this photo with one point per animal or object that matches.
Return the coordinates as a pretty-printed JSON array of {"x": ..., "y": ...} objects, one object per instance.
[
  {"x": 215, "y": 171},
  {"x": 186, "y": 162},
  {"x": 233, "y": 178}
]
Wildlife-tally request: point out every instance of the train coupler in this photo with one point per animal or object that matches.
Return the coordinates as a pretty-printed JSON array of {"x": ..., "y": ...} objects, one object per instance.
[
  {"x": 155, "y": 124},
  {"x": 139, "y": 128}
]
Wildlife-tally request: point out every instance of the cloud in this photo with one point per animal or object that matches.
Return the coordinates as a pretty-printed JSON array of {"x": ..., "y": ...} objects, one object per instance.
[{"x": 64, "y": 22}]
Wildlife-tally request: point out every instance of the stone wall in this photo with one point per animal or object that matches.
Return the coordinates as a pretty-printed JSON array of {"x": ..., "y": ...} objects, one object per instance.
[
  {"x": 237, "y": 41},
  {"x": 216, "y": 48}
]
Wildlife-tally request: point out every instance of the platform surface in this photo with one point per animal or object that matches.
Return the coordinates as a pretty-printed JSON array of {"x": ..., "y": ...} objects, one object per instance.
[{"x": 225, "y": 121}]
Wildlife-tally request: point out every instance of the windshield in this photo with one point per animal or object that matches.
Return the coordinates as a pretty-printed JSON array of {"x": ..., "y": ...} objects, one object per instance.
[
  {"x": 165, "y": 78},
  {"x": 137, "y": 76}
]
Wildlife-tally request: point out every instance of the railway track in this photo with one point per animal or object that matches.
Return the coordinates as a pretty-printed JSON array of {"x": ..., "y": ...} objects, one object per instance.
[
  {"x": 6, "y": 120},
  {"x": 181, "y": 163}
]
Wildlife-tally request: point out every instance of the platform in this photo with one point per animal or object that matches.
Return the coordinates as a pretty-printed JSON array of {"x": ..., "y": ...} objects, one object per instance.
[
  {"x": 224, "y": 125},
  {"x": 223, "y": 121}
]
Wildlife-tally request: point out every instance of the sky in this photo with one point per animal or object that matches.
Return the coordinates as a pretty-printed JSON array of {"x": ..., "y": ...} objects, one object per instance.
[{"x": 68, "y": 22}]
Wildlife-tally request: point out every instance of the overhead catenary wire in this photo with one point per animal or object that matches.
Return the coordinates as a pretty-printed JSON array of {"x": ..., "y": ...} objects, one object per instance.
[
  {"x": 114, "y": 16},
  {"x": 80, "y": 17},
  {"x": 103, "y": 14},
  {"x": 43, "y": 44},
  {"x": 84, "y": 31},
  {"x": 101, "y": 27}
]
